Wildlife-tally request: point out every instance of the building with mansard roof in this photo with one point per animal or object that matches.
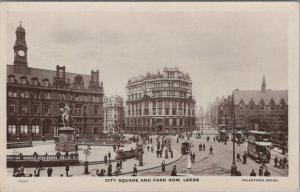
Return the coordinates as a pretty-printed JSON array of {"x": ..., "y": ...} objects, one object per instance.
[
  {"x": 36, "y": 97},
  {"x": 160, "y": 103}
]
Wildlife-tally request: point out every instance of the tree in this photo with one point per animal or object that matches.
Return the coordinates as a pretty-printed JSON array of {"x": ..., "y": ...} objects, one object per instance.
[{"x": 263, "y": 123}]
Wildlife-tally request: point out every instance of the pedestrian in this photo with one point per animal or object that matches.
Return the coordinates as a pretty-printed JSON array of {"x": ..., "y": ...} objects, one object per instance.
[
  {"x": 105, "y": 158},
  {"x": 238, "y": 157},
  {"x": 41, "y": 163},
  {"x": 260, "y": 171},
  {"x": 152, "y": 149},
  {"x": 160, "y": 153},
  {"x": 21, "y": 156},
  {"x": 174, "y": 172},
  {"x": 193, "y": 157},
  {"x": 200, "y": 147},
  {"x": 58, "y": 155},
  {"x": 163, "y": 166},
  {"x": 49, "y": 171},
  {"x": 37, "y": 172},
  {"x": 109, "y": 170},
  {"x": 284, "y": 163},
  {"x": 252, "y": 173},
  {"x": 214, "y": 139},
  {"x": 203, "y": 147},
  {"x": 109, "y": 155},
  {"x": 211, "y": 150},
  {"x": 67, "y": 169},
  {"x": 276, "y": 161},
  {"x": 66, "y": 155},
  {"x": 148, "y": 147},
  {"x": 157, "y": 153},
  {"x": 189, "y": 165},
  {"x": 267, "y": 173},
  {"x": 135, "y": 171},
  {"x": 117, "y": 165},
  {"x": 245, "y": 157},
  {"x": 281, "y": 163}
]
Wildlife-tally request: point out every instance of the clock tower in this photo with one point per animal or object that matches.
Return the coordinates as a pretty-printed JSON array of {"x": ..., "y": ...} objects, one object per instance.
[{"x": 20, "y": 52}]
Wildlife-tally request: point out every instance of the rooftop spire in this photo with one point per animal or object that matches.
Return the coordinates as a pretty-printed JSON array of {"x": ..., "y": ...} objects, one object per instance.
[{"x": 263, "y": 85}]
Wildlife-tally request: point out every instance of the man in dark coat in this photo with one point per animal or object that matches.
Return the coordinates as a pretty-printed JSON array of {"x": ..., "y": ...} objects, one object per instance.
[
  {"x": 67, "y": 169},
  {"x": 174, "y": 172},
  {"x": 163, "y": 166},
  {"x": 105, "y": 158},
  {"x": 49, "y": 171},
  {"x": 276, "y": 162},
  {"x": 252, "y": 173},
  {"x": 109, "y": 155},
  {"x": 245, "y": 157},
  {"x": 260, "y": 171},
  {"x": 267, "y": 173},
  {"x": 135, "y": 171}
]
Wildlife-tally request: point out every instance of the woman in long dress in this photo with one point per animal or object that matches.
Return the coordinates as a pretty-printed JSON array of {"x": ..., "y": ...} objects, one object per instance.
[{"x": 189, "y": 165}]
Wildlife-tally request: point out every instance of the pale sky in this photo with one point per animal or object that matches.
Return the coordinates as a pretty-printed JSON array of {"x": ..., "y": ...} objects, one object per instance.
[{"x": 221, "y": 50}]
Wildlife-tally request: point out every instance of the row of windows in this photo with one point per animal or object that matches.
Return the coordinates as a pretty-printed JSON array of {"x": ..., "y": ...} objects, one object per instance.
[
  {"x": 24, "y": 129},
  {"x": 174, "y": 111},
  {"x": 160, "y": 104},
  {"x": 166, "y": 122},
  {"x": 280, "y": 117},
  {"x": 24, "y": 81},
  {"x": 78, "y": 110},
  {"x": 26, "y": 94},
  {"x": 261, "y": 107},
  {"x": 159, "y": 94},
  {"x": 155, "y": 85}
]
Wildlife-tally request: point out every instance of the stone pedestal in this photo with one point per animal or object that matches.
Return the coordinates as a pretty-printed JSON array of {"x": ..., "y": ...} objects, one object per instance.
[{"x": 66, "y": 140}]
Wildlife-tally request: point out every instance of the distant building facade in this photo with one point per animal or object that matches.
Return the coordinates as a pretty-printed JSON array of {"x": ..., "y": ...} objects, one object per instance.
[
  {"x": 160, "y": 103},
  {"x": 252, "y": 109},
  {"x": 114, "y": 121},
  {"x": 36, "y": 98},
  {"x": 253, "y": 106}
]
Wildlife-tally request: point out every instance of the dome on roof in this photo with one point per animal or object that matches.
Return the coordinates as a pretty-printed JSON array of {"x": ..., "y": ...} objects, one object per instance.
[{"x": 20, "y": 29}]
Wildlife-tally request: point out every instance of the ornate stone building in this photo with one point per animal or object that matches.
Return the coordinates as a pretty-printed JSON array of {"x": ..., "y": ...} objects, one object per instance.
[
  {"x": 36, "y": 97},
  {"x": 113, "y": 114},
  {"x": 161, "y": 103}
]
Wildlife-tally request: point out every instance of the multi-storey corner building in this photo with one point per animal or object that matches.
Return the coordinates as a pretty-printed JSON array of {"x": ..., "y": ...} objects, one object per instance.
[
  {"x": 113, "y": 114},
  {"x": 160, "y": 103},
  {"x": 36, "y": 97}
]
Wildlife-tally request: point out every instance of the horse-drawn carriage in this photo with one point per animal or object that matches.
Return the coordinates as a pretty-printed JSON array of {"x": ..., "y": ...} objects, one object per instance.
[{"x": 185, "y": 147}]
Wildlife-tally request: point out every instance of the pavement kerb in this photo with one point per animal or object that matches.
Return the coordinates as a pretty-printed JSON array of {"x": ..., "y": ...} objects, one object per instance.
[{"x": 153, "y": 167}]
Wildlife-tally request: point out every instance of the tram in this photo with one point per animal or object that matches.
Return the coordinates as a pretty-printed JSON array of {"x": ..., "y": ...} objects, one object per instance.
[{"x": 259, "y": 146}]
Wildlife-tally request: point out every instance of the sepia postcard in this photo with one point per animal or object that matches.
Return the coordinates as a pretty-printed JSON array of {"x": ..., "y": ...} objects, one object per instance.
[{"x": 149, "y": 96}]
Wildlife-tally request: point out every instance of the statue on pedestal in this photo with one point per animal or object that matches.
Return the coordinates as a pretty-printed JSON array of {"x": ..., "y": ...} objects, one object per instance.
[{"x": 66, "y": 115}]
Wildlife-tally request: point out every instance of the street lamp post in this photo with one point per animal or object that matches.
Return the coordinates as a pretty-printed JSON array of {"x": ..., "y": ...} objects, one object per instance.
[{"x": 233, "y": 166}]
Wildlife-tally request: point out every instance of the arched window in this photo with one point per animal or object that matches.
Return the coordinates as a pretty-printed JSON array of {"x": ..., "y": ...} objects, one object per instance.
[
  {"x": 261, "y": 105},
  {"x": 47, "y": 108},
  {"x": 24, "y": 80},
  {"x": 272, "y": 105},
  {"x": 282, "y": 105},
  {"x": 11, "y": 78},
  {"x": 251, "y": 105}
]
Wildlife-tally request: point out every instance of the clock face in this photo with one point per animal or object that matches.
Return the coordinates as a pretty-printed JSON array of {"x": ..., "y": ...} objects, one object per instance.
[{"x": 21, "y": 53}]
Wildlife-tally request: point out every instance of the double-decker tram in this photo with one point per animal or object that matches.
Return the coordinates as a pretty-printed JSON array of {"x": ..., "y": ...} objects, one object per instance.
[
  {"x": 223, "y": 134},
  {"x": 259, "y": 146}
]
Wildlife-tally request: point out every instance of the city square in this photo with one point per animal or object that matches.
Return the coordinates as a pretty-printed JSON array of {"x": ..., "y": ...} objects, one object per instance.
[{"x": 178, "y": 120}]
